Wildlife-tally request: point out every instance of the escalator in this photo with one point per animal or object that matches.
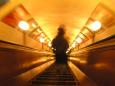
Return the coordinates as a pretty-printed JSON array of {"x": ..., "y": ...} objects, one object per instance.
[{"x": 56, "y": 75}]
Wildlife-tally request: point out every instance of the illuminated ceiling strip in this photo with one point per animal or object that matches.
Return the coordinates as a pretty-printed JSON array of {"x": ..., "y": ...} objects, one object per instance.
[{"x": 84, "y": 35}]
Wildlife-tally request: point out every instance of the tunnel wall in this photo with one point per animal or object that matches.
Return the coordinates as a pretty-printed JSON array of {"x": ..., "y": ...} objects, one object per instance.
[
  {"x": 16, "y": 36},
  {"x": 16, "y": 60},
  {"x": 97, "y": 61},
  {"x": 99, "y": 35}
]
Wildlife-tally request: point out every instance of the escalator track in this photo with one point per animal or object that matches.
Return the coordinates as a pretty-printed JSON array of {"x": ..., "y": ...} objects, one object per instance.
[{"x": 56, "y": 75}]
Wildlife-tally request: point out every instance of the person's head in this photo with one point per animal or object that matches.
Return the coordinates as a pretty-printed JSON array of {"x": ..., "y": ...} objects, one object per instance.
[{"x": 61, "y": 31}]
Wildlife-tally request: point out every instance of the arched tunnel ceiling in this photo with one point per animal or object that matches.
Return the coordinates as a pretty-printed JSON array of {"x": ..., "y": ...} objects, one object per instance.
[{"x": 51, "y": 13}]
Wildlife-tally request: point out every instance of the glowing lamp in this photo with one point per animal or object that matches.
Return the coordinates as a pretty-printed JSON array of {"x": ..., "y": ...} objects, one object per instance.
[
  {"x": 74, "y": 45},
  {"x": 67, "y": 51},
  {"x": 49, "y": 44},
  {"x": 96, "y": 26},
  {"x": 23, "y": 25},
  {"x": 42, "y": 35},
  {"x": 79, "y": 40},
  {"x": 42, "y": 40}
]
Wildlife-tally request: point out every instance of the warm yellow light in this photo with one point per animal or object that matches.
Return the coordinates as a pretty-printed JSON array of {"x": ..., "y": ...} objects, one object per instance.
[
  {"x": 38, "y": 30},
  {"x": 33, "y": 25},
  {"x": 82, "y": 36},
  {"x": 76, "y": 59},
  {"x": 78, "y": 40},
  {"x": 67, "y": 51},
  {"x": 96, "y": 26},
  {"x": 42, "y": 35},
  {"x": 70, "y": 48},
  {"x": 52, "y": 48},
  {"x": 23, "y": 25},
  {"x": 83, "y": 62},
  {"x": 42, "y": 40},
  {"x": 49, "y": 44},
  {"x": 74, "y": 45}
]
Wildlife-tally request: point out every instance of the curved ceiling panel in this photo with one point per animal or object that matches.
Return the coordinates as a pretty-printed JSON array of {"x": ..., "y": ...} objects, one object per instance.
[{"x": 51, "y": 13}]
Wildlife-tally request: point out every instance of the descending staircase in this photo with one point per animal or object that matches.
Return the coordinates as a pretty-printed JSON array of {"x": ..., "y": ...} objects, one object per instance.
[{"x": 56, "y": 75}]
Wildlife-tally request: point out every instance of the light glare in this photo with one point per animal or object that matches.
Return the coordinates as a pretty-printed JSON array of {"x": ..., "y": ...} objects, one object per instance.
[
  {"x": 49, "y": 44},
  {"x": 33, "y": 25},
  {"x": 78, "y": 40},
  {"x": 96, "y": 26},
  {"x": 42, "y": 40},
  {"x": 23, "y": 25},
  {"x": 74, "y": 45},
  {"x": 42, "y": 35}
]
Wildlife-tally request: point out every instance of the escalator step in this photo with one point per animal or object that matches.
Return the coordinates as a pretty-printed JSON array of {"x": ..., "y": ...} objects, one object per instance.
[
  {"x": 69, "y": 76},
  {"x": 54, "y": 82},
  {"x": 53, "y": 85},
  {"x": 56, "y": 75},
  {"x": 53, "y": 78}
]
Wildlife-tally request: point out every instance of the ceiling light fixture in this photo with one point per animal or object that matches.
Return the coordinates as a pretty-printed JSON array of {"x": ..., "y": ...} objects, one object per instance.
[
  {"x": 79, "y": 40},
  {"x": 95, "y": 26},
  {"x": 23, "y": 25},
  {"x": 42, "y": 40}
]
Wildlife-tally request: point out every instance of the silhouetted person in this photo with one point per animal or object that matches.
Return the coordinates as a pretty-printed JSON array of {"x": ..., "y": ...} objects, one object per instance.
[{"x": 60, "y": 46}]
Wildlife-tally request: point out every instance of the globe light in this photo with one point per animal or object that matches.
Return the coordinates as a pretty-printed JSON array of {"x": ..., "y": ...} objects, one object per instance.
[
  {"x": 42, "y": 40},
  {"x": 96, "y": 26},
  {"x": 79, "y": 40},
  {"x": 23, "y": 25}
]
